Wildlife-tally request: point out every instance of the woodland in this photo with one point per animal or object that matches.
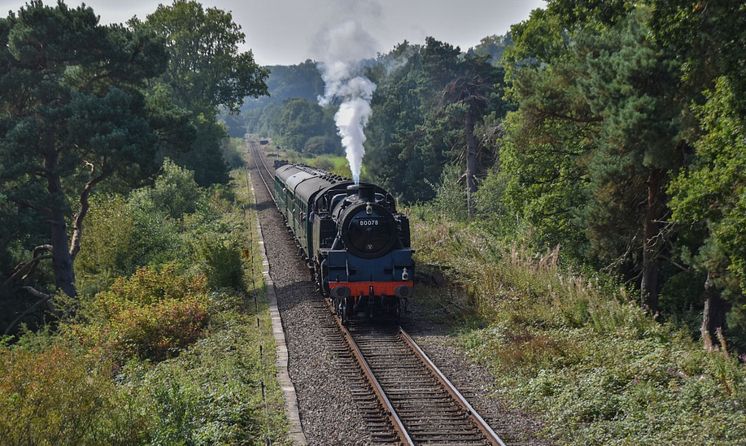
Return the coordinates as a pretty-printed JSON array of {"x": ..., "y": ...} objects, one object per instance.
[
  {"x": 581, "y": 179},
  {"x": 612, "y": 131}
]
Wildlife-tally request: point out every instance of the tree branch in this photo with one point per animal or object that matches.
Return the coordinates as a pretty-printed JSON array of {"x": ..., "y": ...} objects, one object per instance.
[
  {"x": 44, "y": 298},
  {"x": 84, "y": 206},
  {"x": 24, "y": 269},
  {"x": 27, "y": 204}
]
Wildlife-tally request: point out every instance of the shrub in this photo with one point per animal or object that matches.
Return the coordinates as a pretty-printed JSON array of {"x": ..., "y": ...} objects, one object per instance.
[
  {"x": 150, "y": 315},
  {"x": 451, "y": 194},
  {"x": 222, "y": 258},
  {"x": 157, "y": 331},
  {"x": 233, "y": 150},
  {"x": 325, "y": 164},
  {"x": 106, "y": 248},
  {"x": 58, "y": 397},
  {"x": 175, "y": 192},
  {"x": 150, "y": 285}
]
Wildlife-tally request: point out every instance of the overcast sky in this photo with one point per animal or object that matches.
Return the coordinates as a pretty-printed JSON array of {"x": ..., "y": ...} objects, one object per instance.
[{"x": 283, "y": 31}]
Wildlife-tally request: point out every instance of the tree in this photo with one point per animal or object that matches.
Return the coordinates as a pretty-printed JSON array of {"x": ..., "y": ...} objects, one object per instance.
[
  {"x": 393, "y": 130},
  {"x": 593, "y": 83},
  {"x": 549, "y": 139},
  {"x": 299, "y": 120},
  {"x": 709, "y": 38},
  {"x": 428, "y": 101},
  {"x": 206, "y": 71},
  {"x": 710, "y": 197},
  {"x": 492, "y": 47},
  {"x": 71, "y": 116},
  {"x": 471, "y": 92},
  {"x": 632, "y": 85}
]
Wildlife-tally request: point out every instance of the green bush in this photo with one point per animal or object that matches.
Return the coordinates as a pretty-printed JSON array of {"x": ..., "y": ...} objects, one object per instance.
[
  {"x": 233, "y": 150},
  {"x": 222, "y": 257},
  {"x": 106, "y": 250},
  {"x": 156, "y": 331},
  {"x": 147, "y": 286},
  {"x": 324, "y": 164},
  {"x": 451, "y": 194},
  {"x": 174, "y": 193},
  {"x": 59, "y": 397},
  {"x": 151, "y": 315}
]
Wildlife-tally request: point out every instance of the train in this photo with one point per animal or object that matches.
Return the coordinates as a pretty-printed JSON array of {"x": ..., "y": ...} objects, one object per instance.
[{"x": 355, "y": 242}]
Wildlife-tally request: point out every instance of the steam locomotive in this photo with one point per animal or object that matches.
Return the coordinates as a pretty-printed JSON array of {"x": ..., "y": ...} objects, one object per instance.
[{"x": 356, "y": 244}]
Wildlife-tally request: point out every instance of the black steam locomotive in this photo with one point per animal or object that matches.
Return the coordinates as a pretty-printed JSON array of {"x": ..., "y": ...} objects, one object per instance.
[{"x": 354, "y": 240}]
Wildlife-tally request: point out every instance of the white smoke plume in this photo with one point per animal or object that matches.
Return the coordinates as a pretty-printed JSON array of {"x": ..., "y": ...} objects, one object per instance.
[{"x": 342, "y": 48}]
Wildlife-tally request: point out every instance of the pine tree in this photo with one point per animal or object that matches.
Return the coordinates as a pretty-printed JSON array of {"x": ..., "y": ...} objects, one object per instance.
[{"x": 71, "y": 117}]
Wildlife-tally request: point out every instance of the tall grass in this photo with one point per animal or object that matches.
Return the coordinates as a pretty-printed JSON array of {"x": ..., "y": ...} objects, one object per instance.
[{"x": 578, "y": 351}]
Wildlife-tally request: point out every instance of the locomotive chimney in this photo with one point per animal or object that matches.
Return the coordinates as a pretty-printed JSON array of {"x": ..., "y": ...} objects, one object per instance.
[{"x": 364, "y": 192}]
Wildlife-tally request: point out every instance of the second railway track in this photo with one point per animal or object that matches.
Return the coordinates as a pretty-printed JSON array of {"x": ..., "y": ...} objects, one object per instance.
[{"x": 406, "y": 399}]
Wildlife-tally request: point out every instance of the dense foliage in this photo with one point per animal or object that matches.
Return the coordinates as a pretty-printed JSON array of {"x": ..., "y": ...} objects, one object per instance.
[
  {"x": 291, "y": 114},
  {"x": 206, "y": 73},
  {"x": 123, "y": 291},
  {"x": 161, "y": 316},
  {"x": 98, "y": 108},
  {"x": 611, "y": 130},
  {"x": 429, "y": 101}
]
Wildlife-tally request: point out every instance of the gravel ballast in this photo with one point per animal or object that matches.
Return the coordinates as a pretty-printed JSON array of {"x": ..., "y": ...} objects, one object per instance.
[
  {"x": 475, "y": 382},
  {"x": 328, "y": 412}
]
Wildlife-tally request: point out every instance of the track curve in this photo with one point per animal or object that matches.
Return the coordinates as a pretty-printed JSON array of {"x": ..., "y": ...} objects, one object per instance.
[{"x": 414, "y": 401}]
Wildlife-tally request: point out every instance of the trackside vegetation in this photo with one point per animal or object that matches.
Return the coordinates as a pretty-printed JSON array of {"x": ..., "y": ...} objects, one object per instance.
[
  {"x": 170, "y": 340},
  {"x": 612, "y": 130},
  {"x": 576, "y": 349},
  {"x": 130, "y": 288}
]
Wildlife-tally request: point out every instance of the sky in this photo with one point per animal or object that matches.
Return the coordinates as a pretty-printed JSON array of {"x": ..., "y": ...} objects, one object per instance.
[{"x": 284, "y": 32}]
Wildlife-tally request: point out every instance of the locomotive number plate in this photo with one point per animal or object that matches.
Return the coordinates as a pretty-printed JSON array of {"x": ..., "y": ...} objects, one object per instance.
[{"x": 368, "y": 222}]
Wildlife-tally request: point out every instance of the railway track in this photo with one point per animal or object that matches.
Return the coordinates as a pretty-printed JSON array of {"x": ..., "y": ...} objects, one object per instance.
[{"x": 404, "y": 397}]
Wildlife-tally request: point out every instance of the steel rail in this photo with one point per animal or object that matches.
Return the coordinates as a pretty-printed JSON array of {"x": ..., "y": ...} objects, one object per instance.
[
  {"x": 473, "y": 415},
  {"x": 256, "y": 155},
  {"x": 388, "y": 408}
]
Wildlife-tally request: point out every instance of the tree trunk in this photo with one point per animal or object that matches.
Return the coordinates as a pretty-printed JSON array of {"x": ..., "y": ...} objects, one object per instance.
[
  {"x": 651, "y": 241},
  {"x": 62, "y": 262},
  {"x": 713, "y": 316},
  {"x": 471, "y": 162},
  {"x": 82, "y": 212}
]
